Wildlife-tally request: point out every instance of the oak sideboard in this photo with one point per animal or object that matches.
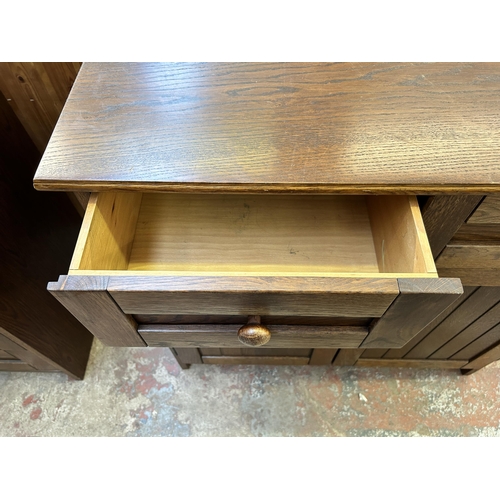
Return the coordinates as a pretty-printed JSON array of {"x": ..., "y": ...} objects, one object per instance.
[{"x": 298, "y": 213}]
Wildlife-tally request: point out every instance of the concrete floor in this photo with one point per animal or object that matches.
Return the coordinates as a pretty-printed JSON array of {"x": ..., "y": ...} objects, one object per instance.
[{"x": 143, "y": 392}]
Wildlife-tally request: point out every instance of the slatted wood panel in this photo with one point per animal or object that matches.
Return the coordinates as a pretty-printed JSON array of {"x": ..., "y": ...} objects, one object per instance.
[
  {"x": 489, "y": 356},
  {"x": 475, "y": 264},
  {"x": 400, "y": 353},
  {"x": 477, "y": 234},
  {"x": 468, "y": 332},
  {"x": 6, "y": 355},
  {"x": 478, "y": 328},
  {"x": 322, "y": 356},
  {"x": 481, "y": 344},
  {"x": 347, "y": 357},
  {"x": 488, "y": 212},
  {"x": 419, "y": 302},
  {"x": 473, "y": 308}
]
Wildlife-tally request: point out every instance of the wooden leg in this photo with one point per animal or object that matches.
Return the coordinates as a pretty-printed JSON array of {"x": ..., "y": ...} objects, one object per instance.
[
  {"x": 347, "y": 357},
  {"x": 186, "y": 356}
]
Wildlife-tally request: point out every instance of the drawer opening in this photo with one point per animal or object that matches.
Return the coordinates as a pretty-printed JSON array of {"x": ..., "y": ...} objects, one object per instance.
[{"x": 129, "y": 233}]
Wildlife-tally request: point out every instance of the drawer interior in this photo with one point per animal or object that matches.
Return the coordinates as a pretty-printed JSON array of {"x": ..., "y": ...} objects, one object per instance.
[{"x": 265, "y": 235}]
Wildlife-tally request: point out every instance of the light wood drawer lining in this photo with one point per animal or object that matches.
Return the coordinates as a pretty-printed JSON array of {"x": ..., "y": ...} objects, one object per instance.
[{"x": 263, "y": 235}]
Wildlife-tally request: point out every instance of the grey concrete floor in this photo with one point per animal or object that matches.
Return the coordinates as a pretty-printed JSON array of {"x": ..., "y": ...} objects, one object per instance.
[{"x": 143, "y": 392}]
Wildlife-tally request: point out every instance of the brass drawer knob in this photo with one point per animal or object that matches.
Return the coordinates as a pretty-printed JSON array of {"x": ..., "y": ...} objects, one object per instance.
[{"x": 253, "y": 333}]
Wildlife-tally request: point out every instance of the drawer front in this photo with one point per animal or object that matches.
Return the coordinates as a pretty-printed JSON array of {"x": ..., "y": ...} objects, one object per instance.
[
  {"x": 226, "y": 336},
  {"x": 254, "y": 255},
  {"x": 238, "y": 295},
  {"x": 106, "y": 305}
]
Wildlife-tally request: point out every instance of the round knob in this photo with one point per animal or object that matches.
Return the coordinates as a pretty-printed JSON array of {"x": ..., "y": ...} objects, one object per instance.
[{"x": 253, "y": 333}]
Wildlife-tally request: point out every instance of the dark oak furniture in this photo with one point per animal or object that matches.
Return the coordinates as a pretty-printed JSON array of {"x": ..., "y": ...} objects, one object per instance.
[
  {"x": 37, "y": 233},
  {"x": 311, "y": 202}
]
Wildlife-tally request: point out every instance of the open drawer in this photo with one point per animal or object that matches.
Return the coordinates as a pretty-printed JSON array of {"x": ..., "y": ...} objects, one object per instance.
[{"x": 325, "y": 271}]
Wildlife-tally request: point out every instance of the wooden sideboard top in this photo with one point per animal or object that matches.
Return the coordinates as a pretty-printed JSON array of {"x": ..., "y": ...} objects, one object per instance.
[{"x": 423, "y": 128}]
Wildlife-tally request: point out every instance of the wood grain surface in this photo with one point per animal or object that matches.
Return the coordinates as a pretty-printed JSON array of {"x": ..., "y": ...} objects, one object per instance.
[
  {"x": 86, "y": 298},
  {"x": 458, "y": 347},
  {"x": 107, "y": 232},
  {"x": 347, "y": 357},
  {"x": 322, "y": 356},
  {"x": 488, "y": 212},
  {"x": 481, "y": 344},
  {"x": 307, "y": 127},
  {"x": 444, "y": 215},
  {"x": 427, "y": 331},
  {"x": 38, "y": 232},
  {"x": 399, "y": 235},
  {"x": 475, "y": 265},
  {"x": 419, "y": 302},
  {"x": 477, "y": 234},
  {"x": 282, "y": 336},
  {"x": 238, "y": 233},
  {"x": 264, "y": 296},
  {"x": 483, "y": 359},
  {"x": 469, "y": 311},
  {"x": 37, "y": 91}
]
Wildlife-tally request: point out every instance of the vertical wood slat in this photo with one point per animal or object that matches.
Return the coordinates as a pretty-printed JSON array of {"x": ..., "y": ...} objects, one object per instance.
[
  {"x": 478, "y": 303},
  {"x": 322, "y": 356},
  {"x": 188, "y": 355},
  {"x": 482, "y": 360},
  {"x": 443, "y": 215},
  {"x": 347, "y": 357},
  {"x": 482, "y": 344},
  {"x": 419, "y": 302},
  {"x": 488, "y": 212},
  {"x": 428, "y": 330},
  {"x": 86, "y": 297},
  {"x": 483, "y": 324}
]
